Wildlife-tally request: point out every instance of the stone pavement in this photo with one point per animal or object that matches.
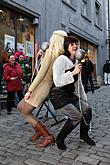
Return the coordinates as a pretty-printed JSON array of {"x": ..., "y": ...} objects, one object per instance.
[{"x": 16, "y": 149}]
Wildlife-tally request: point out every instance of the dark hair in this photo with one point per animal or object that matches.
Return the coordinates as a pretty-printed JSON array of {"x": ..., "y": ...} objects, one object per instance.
[
  {"x": 68, "y": 40},
  {"x": 10, "y": 55}
]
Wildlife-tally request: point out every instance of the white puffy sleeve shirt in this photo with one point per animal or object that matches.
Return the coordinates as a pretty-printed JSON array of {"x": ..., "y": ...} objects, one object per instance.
[{"x": 60, "y": 76}]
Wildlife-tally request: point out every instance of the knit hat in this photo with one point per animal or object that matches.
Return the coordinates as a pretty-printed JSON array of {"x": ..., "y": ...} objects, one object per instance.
[{"x": 20, "y": 48}]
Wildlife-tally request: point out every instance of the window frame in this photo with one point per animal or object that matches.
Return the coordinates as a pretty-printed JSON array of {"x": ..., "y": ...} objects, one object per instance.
[
  {"x": 70, "y": 5},
  {"x": 86, "y": 3},
  {"x": 98, "y": 15}
]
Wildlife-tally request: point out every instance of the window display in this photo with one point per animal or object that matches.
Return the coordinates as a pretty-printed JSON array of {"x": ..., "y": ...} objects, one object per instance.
[
  {"x": 91, "y": 51},
  {"x": 16, "y": 31},
  {"x": 17, "y": 36}
]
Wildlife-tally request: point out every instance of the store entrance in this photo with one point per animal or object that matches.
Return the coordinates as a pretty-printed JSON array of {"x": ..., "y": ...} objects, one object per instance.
[{"x": 17, "y": 37}]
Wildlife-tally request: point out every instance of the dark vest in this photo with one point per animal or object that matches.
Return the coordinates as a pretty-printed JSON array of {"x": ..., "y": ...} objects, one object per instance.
[{"x": 61, "y": 96}]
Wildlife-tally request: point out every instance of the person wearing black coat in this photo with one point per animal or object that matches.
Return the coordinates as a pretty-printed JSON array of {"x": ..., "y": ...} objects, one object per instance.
[
  {"x": 106, "y": 72},
  {"x": 87, "y": 69}
]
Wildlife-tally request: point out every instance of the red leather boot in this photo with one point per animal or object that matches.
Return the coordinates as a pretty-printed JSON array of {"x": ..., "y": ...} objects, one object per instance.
[
  {"x": 35, "y": 137},
  {"x": 47, "y": 137}
]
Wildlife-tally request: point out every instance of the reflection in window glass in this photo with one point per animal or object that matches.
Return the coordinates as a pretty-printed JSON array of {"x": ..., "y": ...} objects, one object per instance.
[{"x": 85, "y": 7}]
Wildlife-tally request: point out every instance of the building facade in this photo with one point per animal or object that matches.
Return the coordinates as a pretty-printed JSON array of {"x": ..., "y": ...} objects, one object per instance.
[
  {"x": 107, "y": 7},
  {"x": 28, "y": 23}
]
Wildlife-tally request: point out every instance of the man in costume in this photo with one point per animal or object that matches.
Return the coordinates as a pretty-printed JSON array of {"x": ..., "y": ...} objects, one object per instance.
[{"x": 40, "y": 88}]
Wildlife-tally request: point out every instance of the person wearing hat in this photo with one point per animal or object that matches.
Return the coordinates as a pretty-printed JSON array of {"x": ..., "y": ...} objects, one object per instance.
[
  {"x": 40, "y": 88},
  {"x": 19, "y": 52},
  {"x": 65, "y": 96}
]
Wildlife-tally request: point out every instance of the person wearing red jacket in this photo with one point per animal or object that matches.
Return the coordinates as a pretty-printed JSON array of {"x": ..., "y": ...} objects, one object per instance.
[{"x": 13, "y": 75}]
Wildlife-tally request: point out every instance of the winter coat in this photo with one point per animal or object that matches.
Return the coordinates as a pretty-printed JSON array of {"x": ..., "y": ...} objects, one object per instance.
[
  {"x": 1, "y": 70},
  {"x": 17, "y": 54},
  {"x": 106, "y": 68},
  {"x": 26, "y": 71},
  {"x": 87, "y": 67},
  {"x": 10, "y": 71},
  {"x": 42, "y": 83}
]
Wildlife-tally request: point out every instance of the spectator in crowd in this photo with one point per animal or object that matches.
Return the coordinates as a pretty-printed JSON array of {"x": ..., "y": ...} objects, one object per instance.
[
  {"x": 26, "y": 68},
  {"x": 40, "y": 88},
  {"x": 19, "y": 52},
  {"x": 106, "y": 72},
  {"x": 39, "y": 58},
  {"x": 13, "y": 76},
  {"x": 87, "y": 69},
  {"x": 1, "y": 74},
  {"x": 64, "y": 96}
]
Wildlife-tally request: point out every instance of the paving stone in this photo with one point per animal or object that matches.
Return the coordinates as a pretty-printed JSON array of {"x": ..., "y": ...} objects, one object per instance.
[
  {"x": 101, "y": 158},
  {"x": 104, "y": 154},
  {"x": 88, "y": 160},
  {"x": 103, "y": 163},
  {"x": 34, "y": 162},
  {"x": 69, "y": 155},
  {"x": 67, "y": 160},
  {"x": 49, "y": 158}
]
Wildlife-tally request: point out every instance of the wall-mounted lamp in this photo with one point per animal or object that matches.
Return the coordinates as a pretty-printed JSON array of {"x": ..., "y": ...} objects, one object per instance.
[
  {"x": 21, "y": 19},
  {"x": 1, "y": 11},
  {"x": 35, "y": 21}
]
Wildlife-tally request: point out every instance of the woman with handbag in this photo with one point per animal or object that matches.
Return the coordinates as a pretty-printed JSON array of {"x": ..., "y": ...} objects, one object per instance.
[{"x": 65, "y": 76}]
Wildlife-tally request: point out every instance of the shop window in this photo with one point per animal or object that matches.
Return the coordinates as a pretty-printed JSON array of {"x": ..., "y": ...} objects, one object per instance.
[
  {"x": 15, "y": 30},
  {"x": 25, "y": 35},
  {"x": 91, "y": 51}
]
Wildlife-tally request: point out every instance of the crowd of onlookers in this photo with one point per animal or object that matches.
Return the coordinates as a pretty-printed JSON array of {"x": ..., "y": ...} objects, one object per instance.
[{"x": 16, "y": 73}]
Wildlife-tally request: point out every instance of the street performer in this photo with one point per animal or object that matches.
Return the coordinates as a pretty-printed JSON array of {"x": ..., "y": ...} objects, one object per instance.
[
  {"x": 66, "y": 74},
  {"x": 40, "y": 88}
]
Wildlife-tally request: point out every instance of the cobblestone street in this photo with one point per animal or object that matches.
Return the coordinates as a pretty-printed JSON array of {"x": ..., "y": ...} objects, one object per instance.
[{"x": 16, "y": 149}]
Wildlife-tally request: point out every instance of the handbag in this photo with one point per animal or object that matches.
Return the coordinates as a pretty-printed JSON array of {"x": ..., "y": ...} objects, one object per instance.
[{"x": 60, "y": 98}]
